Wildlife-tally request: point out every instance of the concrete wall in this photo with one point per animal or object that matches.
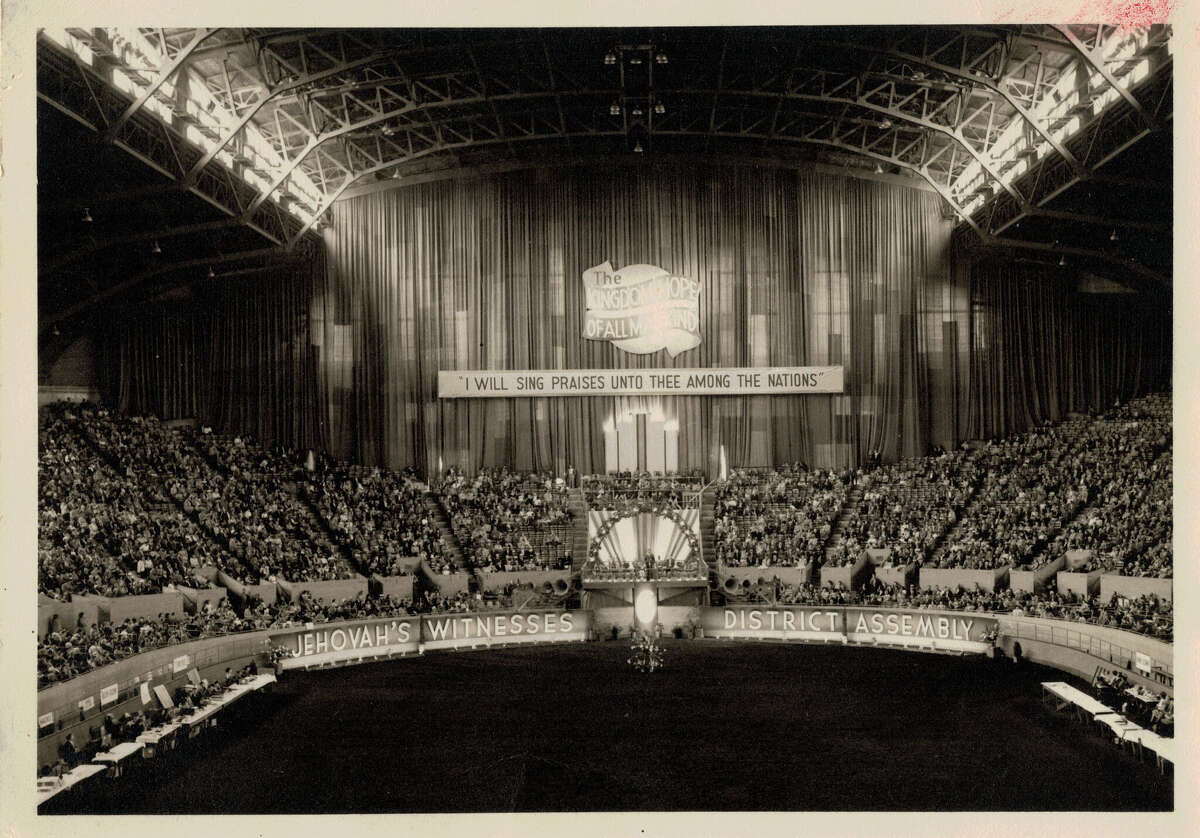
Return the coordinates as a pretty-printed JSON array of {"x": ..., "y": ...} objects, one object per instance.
[
  {"x": 194, "y": 599},
  {"x": 448, "y": 584},
  {"x": 326, "y": 591},
  {"x": 119, "y": 609},
  {"x": 1081, "y": 584},
  {"x": 397, "y": 586},
  {"x": 603, "y": 619},
  {"x": 1134, "y": 586},
  {"x": 1031, "y": 581},
  {"x": 1099, "y": 645},
  {"x": 69, "y": 613},
  {"x": 672, "y": 616},
  {"x": 987, "y": 580},
  {"x": 496, "y": 581}
]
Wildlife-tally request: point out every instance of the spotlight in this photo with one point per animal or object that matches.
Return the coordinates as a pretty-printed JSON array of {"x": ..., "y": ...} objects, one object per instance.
[
  {"x": 638, "y": 147},
  {"x": 609, "y": 58},
  {"x": 87, "y": 216},
  {"x": 156, "y": 248},
  {"x": 614, "y": 109}
]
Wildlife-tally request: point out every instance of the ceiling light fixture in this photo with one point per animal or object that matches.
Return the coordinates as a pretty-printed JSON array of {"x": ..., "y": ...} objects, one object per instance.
[
  {"x": 211, "y": 273},
  {"x": 614, "y": 109},
  {"x": 638, "y": 147},
  {"x": 156, "y": 248},
  {"x": 635, "y": 60},
  {"x": 661, "y": 58},
  {"x": 1062, "y": 261},
  {"x": 878, "y": 169},
  {"x": 1114, "y": 236},
  {"x": 658, "y": 108},
  {"x": 609, "y": 58},
  {"x": 87, "y": 216},
  {"x": 637, "y": 111}
]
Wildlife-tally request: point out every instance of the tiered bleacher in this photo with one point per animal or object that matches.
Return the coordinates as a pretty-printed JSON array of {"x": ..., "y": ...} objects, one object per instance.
[
  {"x": 128, "y": 506},
  {"x": 508, "y": 522},
  {"x": 380, "y": 516},
  {"x": 777, "y": 518},
  {"x": 249, "y": 499},
  {"x": 106, "y": 524},
  {"x": 907, "y": 507}
]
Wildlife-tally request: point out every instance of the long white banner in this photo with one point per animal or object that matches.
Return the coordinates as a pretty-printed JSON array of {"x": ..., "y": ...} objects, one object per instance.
[{"x": 717, "y": 381}]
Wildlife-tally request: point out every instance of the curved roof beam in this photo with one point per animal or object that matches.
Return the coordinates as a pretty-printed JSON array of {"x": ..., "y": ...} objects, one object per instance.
[
  {"x": 618, "y": 132},
  {"x": 891, "y": 113},
  {"x": 164, "y": 73},
  {"x": 1095, "y": 59},
  {"x": 974, "y": 78},
  {"x": 281, "y": 90}
]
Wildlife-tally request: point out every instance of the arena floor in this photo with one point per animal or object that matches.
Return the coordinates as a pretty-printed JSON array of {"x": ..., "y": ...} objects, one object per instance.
[{"x": 726, "y": 726}]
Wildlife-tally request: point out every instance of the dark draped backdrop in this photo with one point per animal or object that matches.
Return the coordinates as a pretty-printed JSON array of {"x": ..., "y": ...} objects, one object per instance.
[{"x": 797, "y": 268}]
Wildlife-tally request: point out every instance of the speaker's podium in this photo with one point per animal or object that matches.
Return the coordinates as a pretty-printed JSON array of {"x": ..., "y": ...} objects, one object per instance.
[{"x": 611, "y": 584}]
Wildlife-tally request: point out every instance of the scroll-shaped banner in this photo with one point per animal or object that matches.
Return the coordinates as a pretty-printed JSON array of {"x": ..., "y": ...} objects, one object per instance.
[{"x": 641, "y": 309}]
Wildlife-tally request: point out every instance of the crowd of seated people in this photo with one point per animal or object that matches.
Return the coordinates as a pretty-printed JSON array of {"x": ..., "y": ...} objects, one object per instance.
[
  {"x": 66, "y": 652},
  {"x": 625, "y": 492},
  {"x": 1064, "y": 476},
  {"x": 777, "y": 518},
  {"x": 380, "y": 516},
  {"x": 129, "y": 506},
  {"x": 113, "y": 730},
  {"x": 650, "y": 567},
  {"x": 103, "y": 527},
  {"x": 1146, "y": 615},
  {"x": 246, "y": 501},
  {"x": 1031, "y": 483},
  {"x": 906, "y": 507},
  {"x": 507, "y": 521},
  {"x": 505, "y": 598},
  {"x": 1128, "y": 527},
  {"x": 1153, "y": 711}
]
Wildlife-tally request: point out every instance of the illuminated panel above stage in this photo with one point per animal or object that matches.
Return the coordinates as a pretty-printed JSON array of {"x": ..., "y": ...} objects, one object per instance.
[{"x": 716, "y": 381}]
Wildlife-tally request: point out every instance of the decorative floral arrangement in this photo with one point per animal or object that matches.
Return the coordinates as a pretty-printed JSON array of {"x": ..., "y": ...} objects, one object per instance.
[
  {"x": 278, "y": 653},
  {"x": 645, "y": 654}
]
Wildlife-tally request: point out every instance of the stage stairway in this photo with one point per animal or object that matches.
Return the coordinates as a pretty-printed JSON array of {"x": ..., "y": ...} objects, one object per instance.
[
  {"x": 848, "y": 510},
  {"x": 441, "y": 520},
  {"x": 708, "y": 538},
  {"x": 579, "y": 539}
]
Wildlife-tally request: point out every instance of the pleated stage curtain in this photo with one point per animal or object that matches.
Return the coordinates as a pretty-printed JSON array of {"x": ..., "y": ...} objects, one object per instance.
[
  {"x": 236, "y": 355},
  {"x": 1040, "y": 349},
  {"x": 797, "y": 268}
]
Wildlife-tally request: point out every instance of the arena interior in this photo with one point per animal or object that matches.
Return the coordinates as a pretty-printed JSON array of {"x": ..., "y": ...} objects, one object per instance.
[{"x": 604, "y": 419}]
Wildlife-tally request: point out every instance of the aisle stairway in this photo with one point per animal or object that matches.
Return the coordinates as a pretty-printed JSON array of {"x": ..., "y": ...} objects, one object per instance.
[
  {"x": 848, "y": 510},
  {"x": 321, "y": 524},
  {"x": 579, "y": 540},
  {"x": 708, "y": 538},
  {"x": 437, "y": 513}
]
